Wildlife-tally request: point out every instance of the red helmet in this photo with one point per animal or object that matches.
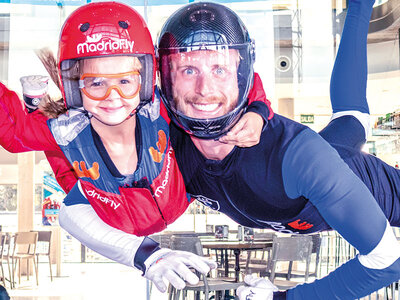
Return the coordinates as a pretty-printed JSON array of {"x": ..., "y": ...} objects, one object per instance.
[{"x": 104, "y": 29}]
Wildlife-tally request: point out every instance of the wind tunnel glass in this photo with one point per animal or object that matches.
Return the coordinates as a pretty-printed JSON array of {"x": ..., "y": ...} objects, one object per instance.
[{"x": 99, "y": 86}]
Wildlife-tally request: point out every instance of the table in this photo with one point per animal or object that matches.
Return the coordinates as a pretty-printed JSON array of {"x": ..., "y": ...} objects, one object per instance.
[{"x": 237, "y": 247}]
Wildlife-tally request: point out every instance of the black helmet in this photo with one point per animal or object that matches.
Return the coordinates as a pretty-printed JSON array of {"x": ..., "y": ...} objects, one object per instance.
[{"x": 211, "y": 27}]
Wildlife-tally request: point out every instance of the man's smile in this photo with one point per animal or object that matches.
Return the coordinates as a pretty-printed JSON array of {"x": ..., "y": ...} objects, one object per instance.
[
  {"x": 204, "y": 110},
  {"x": 205, "y": 107}
]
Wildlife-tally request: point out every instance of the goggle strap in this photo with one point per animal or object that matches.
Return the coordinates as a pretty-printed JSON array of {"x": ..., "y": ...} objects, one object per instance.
[
  {"x": 110, "y": 75},
  {"x": 82, "y": 84}
]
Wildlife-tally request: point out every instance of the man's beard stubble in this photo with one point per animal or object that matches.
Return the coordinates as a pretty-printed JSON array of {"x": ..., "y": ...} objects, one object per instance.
[{"x": 188, "y": 100}]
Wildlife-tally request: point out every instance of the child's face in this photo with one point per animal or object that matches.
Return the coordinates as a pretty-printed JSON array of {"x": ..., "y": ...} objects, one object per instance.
[{"x": 120, "y": 91}]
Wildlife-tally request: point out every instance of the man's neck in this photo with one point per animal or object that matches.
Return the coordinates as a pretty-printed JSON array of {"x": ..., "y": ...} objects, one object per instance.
[{"x": 212, "y": 149}]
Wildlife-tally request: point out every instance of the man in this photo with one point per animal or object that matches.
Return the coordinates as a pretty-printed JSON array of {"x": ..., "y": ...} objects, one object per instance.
[{"x": 293, "y": 181}]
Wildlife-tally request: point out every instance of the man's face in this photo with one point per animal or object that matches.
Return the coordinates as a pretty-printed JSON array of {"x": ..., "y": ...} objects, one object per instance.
[{"x": 204, "y": 82}]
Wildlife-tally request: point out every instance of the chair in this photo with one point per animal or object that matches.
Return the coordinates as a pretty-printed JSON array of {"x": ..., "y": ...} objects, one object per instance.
[
  {"x": 5, "y": 256},
  {"x": 206, "y": 284},
  {"x": 289, "y": 249},
  {"x": 209, "y": 228},
  {"x": 24, "y": 248},
  {"x": 163, "y": 239},
  {"x": 263, "y": 236},
  {"x": 248, "y": 233},
  {"x": 316, "y": 249},
  {"x": 257, "y": 260},
  {"x": 221, "y": 231},
  {"x": 44, "y": 248}
]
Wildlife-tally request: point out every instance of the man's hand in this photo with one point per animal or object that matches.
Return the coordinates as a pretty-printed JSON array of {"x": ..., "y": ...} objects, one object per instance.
[
  {"x": 173, "y": 266},
  {"x": 246, "y": 132},
  {"x": 256, "y": 288},
  {"x": 34, "y": 87}
]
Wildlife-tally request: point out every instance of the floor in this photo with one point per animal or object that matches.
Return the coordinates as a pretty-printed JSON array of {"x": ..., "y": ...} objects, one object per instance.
[
  {"x": 85, "y": 281},
  {"x": 95, "y": 281}
]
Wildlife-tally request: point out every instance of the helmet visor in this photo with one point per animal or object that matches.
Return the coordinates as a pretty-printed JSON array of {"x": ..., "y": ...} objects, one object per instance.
[
  {"x": 99, "y": 86},
  {"x": 205, "y": 83}
]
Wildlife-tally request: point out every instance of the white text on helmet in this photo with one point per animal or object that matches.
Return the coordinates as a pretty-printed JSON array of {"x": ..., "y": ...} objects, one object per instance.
[{"x": 103, "y": 45}]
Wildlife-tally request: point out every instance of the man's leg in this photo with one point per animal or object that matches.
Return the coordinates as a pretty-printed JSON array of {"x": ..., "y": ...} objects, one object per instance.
[
  {"x": 350, "y": 120},
  {"x": 3, "y": 293}
]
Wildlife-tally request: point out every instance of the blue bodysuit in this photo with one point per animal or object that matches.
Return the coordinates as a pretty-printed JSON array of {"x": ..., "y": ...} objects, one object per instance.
[{"x": 299, "y": 181}]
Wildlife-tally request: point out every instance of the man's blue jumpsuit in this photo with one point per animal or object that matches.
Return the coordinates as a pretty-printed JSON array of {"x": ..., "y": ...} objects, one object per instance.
[{"x": 293, "y": 181}]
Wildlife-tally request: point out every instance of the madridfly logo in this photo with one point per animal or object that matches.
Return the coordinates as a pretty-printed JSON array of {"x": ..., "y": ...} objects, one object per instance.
[
  {"x": 97, "y": 42},
  {"x": 97, "y": 196}
]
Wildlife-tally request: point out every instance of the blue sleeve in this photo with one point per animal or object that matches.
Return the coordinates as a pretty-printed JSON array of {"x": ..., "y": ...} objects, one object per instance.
[
  {"x": 146, "y": 248},
  {"x": 313, "y": 169},
  {"x": 260, "y": 108}
]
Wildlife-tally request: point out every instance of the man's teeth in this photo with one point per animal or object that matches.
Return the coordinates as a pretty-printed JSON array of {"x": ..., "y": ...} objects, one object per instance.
[{"x": 206, "y": 107}]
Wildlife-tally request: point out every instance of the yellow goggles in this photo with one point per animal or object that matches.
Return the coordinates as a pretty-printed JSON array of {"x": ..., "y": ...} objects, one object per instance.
[{"x": 99, "y": 86}]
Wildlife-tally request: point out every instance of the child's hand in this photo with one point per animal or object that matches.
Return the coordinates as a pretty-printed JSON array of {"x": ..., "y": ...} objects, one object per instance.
[
  {"x": 34, "y": 87},
  {"x": 246, "y": 132}
]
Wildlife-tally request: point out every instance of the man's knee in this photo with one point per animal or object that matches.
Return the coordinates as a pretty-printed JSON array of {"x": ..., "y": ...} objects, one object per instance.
[{"x": 363, "y": 118}]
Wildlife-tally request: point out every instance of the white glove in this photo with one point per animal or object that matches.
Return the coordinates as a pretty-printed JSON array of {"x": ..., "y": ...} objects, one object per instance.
[
  {"x": 34, "y": 87},
  {"x": 172, "y": 266},
  {"x": 256, "y": 288}
]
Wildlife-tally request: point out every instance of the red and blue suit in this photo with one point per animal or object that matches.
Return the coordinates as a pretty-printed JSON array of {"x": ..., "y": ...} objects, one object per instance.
[
  {"x": 156, "y": 180},
  {"x": 138, "y": 203}
]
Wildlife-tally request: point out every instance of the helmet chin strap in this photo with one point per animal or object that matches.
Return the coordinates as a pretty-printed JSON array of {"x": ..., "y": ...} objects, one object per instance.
[
  {"x": 82, "y": 110},
  {"x": 133, "y": 112}
]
